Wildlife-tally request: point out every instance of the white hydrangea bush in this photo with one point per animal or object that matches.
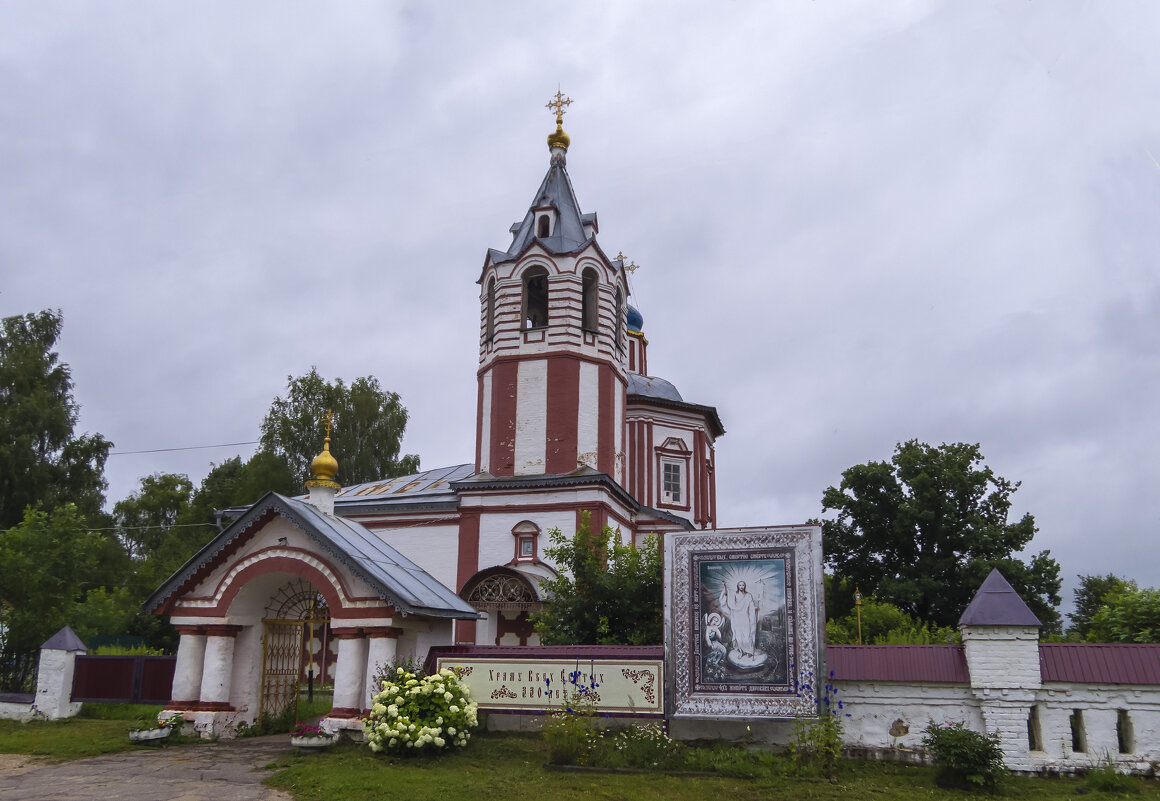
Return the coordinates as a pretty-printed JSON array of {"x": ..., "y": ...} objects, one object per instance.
[{"x": 414, "y": 714}]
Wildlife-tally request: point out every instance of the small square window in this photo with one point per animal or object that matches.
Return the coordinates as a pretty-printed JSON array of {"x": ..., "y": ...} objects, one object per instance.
[{"x": 527, "y": 547}]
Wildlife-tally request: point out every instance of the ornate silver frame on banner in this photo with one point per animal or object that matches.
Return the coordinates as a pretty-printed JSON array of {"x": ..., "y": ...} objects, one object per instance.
[{"x": 744, "y": 622}]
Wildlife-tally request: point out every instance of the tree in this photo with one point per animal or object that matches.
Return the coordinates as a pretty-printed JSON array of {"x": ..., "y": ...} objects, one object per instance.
[
  {"x": 368, "y": 431},
  {"x": 885, "y": 624},
  {"x": 42, "y": 461},
  {"x": 1089, "y": 597},
  {"x": 1128, "y": 614},
  {"x": 607, "y": 593},
  {"x": 146, "y": 516},
  {"x": 923, "y": 530},
  {"x": 48, "y": 564}
]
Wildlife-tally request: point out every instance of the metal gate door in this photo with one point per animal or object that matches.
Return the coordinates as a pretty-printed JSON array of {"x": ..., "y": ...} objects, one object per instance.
[{"x": 281, "y": 667}]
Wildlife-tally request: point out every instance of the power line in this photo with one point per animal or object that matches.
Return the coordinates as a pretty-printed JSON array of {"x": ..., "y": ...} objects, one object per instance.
[{"x": 188, "y": 448}]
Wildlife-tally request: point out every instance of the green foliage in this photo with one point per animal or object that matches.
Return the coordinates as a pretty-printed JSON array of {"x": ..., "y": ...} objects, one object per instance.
[
  {"x": 815, "y": 744},
  {"x": 886, "y": 624},
  {"x": 47, "y": 567},
  {"x": 572, "y": 731},
  {"x": 964, "y": 758},
  {"x": 43, "y": 463},
  {"x": 368, "y": 431},
  {"x": 145, "y": 517},
  {"x": 1104, "y": 778},
  {"x": 923, "y": 530},
  {"x": 607, "y": 593},
  {"x": 1128, "y": 614},
  {"x": 1089, "y": 597}
]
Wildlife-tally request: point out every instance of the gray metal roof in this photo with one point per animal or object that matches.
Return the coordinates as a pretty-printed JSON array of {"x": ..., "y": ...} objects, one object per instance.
[
  {"x": 431, "y": 489},
  {"x": 397, "y": 579},
  {"x": 64, "y": 640},
  {"x": 567, "y": 234},
  {"x": 997, "y": 604},
  {"x": 652, "y": 387}
]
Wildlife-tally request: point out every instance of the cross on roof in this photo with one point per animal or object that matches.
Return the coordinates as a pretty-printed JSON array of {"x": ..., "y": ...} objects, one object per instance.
[
  {"x": 632, "y": 266},
  {"x": 558, "y": 105},
  {"x": 328, "y": 419}
]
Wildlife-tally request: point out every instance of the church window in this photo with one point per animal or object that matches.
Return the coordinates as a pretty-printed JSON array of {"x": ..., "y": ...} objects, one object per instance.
[
  {"x": 671, "y": 481},
  {"x": 542, "y": 226},
  {"x": 1034, "y": 731},
  {"x": 620, "y": 312},
  {"x": 491, "y": 308},
  {"x": 1125, "y": 735},
  {"x": 526, "y": 535},
  {"x": 1078, "y": 735},
  {"x": 535, "y": 297},
  {"x": 590, "y": 310}
]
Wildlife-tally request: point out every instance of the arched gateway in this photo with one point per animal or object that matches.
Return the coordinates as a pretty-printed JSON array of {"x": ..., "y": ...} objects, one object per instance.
[{"x": 287, "y": 587}]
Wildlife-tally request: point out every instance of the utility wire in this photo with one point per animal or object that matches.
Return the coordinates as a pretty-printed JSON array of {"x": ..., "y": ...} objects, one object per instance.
[{"x": 188, "y": 448}]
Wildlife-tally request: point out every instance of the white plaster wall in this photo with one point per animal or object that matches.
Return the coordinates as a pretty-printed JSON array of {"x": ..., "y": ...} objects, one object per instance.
[
  {"x": 54, "y": 680},
  {"x": 1002, "y": 656},
  {"x": 246, "y": 681},
  {"x": 10, "y": 711},
  {"x": 485, "y": 426},
  {"x": 873, "y": 707},
  {"x": 588, "y": 422},
  {"x": 618, "y": 433},
  {"x": 1056, "y": 702},
  {"x": 496, "y": 544},
  {"x": 434, "y": 548},
  {"x": 531, "y": 416}
]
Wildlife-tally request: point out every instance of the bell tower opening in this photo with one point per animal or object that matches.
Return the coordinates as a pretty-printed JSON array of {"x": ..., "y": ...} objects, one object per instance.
[
  {"x": 535, "y": 298},
  {"x": 591, "y": 313}
]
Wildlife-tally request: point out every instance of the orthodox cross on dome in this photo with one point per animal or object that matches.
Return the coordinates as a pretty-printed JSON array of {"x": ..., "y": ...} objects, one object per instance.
[
  {"x": 559, "y": 138},
  {"x": 558, "y": 104},
  {"x": 631, "y": 267},
  {"x": 328, "y": 420}
]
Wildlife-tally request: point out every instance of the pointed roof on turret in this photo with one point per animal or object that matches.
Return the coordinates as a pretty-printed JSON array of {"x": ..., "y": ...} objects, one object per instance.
[
  {"x": 573, "y": 230},
  {"x": 997, "y": 604}
]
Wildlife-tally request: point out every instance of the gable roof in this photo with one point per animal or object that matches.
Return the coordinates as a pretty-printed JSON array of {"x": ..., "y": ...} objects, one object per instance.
[
  {"x": 997, "y": 604},
  {"x": 398, "y": 580}
]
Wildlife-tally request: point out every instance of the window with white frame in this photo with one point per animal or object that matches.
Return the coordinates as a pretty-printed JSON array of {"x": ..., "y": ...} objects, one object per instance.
[
  {"x": 672, "y": 480},
  {"x": 525, "y": 535}
]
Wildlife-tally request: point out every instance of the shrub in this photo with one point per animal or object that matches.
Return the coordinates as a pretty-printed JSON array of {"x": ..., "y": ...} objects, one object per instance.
[
  {"x": 572, "y": 732},
  {"x": 816, "y": 744},
  {"x": 964, "y": 758},
  {"x": 413, "y": 715}
]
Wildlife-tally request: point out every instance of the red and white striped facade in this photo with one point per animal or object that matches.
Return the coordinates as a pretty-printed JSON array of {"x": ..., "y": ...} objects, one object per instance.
[{"x": 552, "y": 397}]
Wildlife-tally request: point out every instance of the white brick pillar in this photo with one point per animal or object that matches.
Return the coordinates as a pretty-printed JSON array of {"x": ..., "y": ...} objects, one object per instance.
[
  {"x": 1004, "y": 666},
  {"x": 349, "y": 673},
  {"x": 54, "y": 675},
  {"x": 218, "y": 667},
  {"x": 381, "y": 653},
  {"x": 187, "y": 673}
]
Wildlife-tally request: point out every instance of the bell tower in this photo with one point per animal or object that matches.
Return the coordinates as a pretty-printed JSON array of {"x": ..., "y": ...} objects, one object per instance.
[{"x": 553, "y": 345}]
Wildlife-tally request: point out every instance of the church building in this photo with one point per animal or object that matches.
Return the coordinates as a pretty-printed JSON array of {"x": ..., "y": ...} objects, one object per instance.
[{"x": 568, "y": 421}]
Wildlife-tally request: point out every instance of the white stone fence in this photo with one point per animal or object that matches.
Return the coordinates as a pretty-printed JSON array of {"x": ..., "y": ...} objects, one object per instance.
[{"x": 54, "y": 681}]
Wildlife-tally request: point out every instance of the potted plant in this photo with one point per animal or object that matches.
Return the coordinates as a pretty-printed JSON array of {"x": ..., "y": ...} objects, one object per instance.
[
  {"x": 164, "y": 727},
  {"x": 310, "y": 737}
]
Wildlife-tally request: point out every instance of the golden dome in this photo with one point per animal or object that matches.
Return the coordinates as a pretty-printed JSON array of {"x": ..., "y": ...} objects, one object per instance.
[
  {"x": 559, "y": 138},
  {"x": 325, "y": 466}
]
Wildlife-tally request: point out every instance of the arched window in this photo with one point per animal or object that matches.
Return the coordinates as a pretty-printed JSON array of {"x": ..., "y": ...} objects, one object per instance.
[
  {"x": 591, "y": 313},
  {"x": 535, "y": 298},
  {"x": 619, "y": 318},
  {"x": 490, "y": 309},
  {"x": 542, "y": 226}
]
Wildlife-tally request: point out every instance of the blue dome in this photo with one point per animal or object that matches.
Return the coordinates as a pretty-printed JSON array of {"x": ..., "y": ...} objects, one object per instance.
[{"x": 635, "y": 319}]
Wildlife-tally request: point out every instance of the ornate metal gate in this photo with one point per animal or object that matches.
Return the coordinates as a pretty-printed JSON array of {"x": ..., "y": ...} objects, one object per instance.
[{"x": 296, "y": 629}]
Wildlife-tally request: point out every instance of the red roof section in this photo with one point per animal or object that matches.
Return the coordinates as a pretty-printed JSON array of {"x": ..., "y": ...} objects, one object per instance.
[
  {"x": 945, "y": 663},
  {"x": 1100, "y": 663}
]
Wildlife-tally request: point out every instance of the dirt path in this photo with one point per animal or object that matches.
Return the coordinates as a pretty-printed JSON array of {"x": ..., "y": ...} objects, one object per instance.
[{"x": 228, "y": 771}]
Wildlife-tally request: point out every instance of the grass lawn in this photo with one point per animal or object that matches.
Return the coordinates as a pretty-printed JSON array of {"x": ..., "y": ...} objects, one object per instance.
[
  {"x": 512, "y": 767},
  {"x": 100, "y": 729}
]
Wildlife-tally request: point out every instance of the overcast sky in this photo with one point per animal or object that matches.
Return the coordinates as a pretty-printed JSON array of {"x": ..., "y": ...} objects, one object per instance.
[{"x": 858, "y": 223}]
